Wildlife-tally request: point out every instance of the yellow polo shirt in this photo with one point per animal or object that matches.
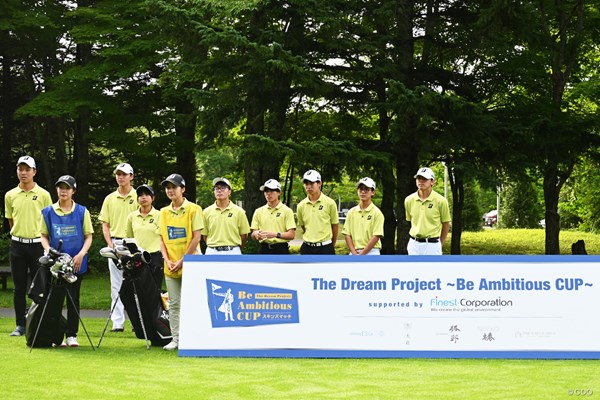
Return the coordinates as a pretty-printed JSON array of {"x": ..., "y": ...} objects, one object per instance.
[
  {"x": 426, "y": 216},
  {"x": 176, "y": 228},
  {"x": 317, "y": 218},
  {"x": 25, "y": 209},
  {"x": 145, "y": 230},
  {"x": 278, "y": 219},
  {"x": 362, "y": 225},
  {"x": 88, "y": 229},
  {"x": 115, "y": 210},
  {"x": 224, "y": 227}
]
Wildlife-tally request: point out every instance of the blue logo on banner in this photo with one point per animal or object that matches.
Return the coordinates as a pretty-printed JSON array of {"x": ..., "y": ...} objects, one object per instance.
[
  {"x": 240, "y": 304},
  {"x": 175, "y": 232}
]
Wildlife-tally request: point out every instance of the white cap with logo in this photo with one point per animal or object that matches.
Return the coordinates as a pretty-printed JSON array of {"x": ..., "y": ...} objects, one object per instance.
[
  {"x": 27, "y": 160},
  {"x": 312, "y": 176},
  {"x": 366, "y": 181},
  {"x": 271, "y": 184},
  {"x": 221, "y": 180},
  {"x": 426, "y": 173},
  {"x": 128, "y": 169}
]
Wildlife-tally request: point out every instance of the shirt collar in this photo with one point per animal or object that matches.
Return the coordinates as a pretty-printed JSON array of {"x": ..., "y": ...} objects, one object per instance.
[
  {"x": 183, "y": 206},
  {"x": 277, "y": 207},
  {"x": 152, "y": 213},
  {"x": 369, "y": 207},
  {"x": 130, "y": 194},
  {"x": 226, "y": 208},
  {"x": 56, "y": 206}
]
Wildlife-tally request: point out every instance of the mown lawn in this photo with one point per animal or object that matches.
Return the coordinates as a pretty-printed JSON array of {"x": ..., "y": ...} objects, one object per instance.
[{"x": 122, "y": 368}]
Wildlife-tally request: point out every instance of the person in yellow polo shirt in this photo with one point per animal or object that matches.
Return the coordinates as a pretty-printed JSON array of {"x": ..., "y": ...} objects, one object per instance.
[
  {"x": 70, "y": 222},
  {"x": 23, "y": 209},
  {"x": 318, "y": 217},
  {"x": 364, "y": 223},
  {"x": 113, "y": 215},
  {"x": 181, "y": 226},
  {"x": 429, "y": 216},
  {"x": 273, "y": 224},
  {"x": 226, "y": 224},
  {"x": 143, "y": 225}
]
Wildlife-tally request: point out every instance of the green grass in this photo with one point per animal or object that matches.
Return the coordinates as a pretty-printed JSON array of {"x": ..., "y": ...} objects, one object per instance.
[
  {"x": 123, "y": 368},
  {"x": 520, "y": 241}
]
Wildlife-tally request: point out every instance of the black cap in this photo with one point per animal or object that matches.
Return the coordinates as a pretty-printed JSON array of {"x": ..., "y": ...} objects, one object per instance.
[
  {"x": 144, "y": 189},
  {"x": 68, "y": 179},
  {"x": 175, "y": 179}
]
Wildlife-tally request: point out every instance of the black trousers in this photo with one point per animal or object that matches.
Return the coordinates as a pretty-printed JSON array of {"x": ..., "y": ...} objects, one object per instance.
[
  {"x": 327, "y": 249},
  {"x": 73, "y": 310},
  {"x": 279, "y": 248},
  {"x": 23, "y": 265}
]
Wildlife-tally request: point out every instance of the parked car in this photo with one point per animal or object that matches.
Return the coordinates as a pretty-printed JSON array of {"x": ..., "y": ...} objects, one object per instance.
[{"x": 490, "y": 218}]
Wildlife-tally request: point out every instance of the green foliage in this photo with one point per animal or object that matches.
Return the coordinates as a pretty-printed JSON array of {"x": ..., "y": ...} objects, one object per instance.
[
  {"x": 580, "y": 200},
  {"x": 4, "y": 249},
  {"x": 520, "y": 207},
  {"x": 472, "y": 210}
]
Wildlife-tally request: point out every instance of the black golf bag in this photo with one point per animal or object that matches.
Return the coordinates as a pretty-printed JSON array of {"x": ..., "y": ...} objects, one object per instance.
[
  {"x": 140, "y": 293},
  {"x": 154, "y": 316},
  {"x": 52, "y": 329}
]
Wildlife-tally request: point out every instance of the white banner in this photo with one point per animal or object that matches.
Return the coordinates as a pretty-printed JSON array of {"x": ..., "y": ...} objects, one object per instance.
[{"x": 391, "y": 306}]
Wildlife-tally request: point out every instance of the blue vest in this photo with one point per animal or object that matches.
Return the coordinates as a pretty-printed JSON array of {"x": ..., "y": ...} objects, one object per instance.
[{"x": 69, "y": 229}]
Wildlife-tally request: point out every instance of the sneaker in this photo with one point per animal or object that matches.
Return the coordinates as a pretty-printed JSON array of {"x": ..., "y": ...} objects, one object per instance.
[
  {"x": 19, "y": 331},
  {"x": 171, "y": 346},
  {"x": 63, "y": 344},
  {"x": 72, "y": 341},
  {"x": 117, "y": 330}
]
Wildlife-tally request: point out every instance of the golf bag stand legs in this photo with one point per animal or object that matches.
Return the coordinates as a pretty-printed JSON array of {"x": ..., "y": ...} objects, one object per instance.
[
  {"x": 108, "y": 319},
  {"x": 139, "y": 310},
  {"x": 79, "y": 317}
]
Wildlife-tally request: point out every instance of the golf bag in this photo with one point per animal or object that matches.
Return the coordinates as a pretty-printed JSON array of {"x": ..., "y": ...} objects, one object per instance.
[
  {"x": 140, "y": 293},
  {"x": 154, "y": 317},
  {"x": 45, "y": 323}
]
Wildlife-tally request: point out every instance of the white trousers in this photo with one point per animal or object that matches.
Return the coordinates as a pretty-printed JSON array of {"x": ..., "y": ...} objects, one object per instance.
[
  {"x": 372, "y": 252},
  {"x": 116, "y": 279},
  {"x": 415, "y": 248}
]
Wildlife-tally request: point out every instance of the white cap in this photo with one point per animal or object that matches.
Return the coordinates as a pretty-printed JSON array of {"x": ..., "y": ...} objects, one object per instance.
[
  {"x": 426, "y": 173},
  {"x": 27, "y": 160},
  {"x": 312, "y": 176},
  {"x": 271, "y": 184},
  {"x": 221, "y": 180},
  {"x": 128, "y": 169},
  {"x": 366, "y": 181}
]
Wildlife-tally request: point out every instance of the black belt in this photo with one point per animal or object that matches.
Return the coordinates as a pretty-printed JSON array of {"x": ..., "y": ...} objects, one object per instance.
[
  {"x": 224, "y": 248},
  {"x": 426, "y": 240},
  {"x": 116, "y": 238},
  {"x": 318, "y": 244},
  {"x": 273, "y": 245}
]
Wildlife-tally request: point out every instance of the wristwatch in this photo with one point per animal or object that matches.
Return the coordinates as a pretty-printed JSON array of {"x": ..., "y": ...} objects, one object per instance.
[{"x": 278, "y": 235}]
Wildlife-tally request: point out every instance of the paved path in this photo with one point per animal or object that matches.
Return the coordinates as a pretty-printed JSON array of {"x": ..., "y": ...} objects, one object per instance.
[{"x": 10, "y": 313}]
